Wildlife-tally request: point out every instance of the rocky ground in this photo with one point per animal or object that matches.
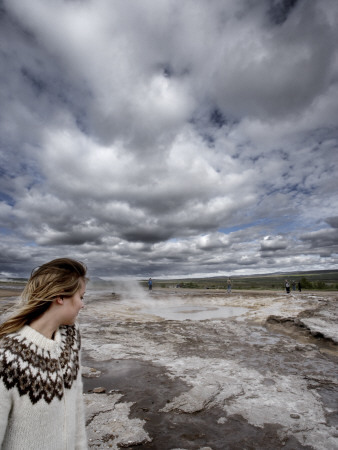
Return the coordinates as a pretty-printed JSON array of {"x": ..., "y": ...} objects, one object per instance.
[
  {"x": 257, "y": 370},
  {"x": 264, "y": 379}
]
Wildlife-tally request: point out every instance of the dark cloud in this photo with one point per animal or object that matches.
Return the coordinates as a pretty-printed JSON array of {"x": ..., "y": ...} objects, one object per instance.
[
  {"x": 142, "y": 234},
  {"x": 280, "y": 10},
  {"x": 326, "y": 240},
  {"x": 332, "y": 221}
]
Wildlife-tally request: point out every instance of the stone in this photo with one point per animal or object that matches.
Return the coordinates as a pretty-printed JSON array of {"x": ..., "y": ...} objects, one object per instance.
[
  {"x": 99, "y": 390},
  {"x": 90, "y": 372}
]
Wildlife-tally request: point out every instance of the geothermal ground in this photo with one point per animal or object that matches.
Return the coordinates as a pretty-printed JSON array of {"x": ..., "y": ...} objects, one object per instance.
[
  {"x": 210, "y": 370},
  {"x": 203, "y": 369}
]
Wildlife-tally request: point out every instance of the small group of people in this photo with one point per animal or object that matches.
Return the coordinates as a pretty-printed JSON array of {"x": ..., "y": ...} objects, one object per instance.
[
  {"x": 41, "y": 403},
  {"x": 293, "y": 284}
]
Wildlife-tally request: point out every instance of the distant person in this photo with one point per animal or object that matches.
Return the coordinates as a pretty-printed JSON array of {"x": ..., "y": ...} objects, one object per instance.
[
  {"x": 150, "y": 284},
  {"x": 299, "y": 287},
  {"x": 287, "y": 286},
  {"x": 40, "y": 372},
  {"x": 293, "y": 285},
  {"x": 229, "y": 285}
]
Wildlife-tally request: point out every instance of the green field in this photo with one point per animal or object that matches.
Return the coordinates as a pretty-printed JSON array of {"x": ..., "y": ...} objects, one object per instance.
[{"x": 316, "y": 280}]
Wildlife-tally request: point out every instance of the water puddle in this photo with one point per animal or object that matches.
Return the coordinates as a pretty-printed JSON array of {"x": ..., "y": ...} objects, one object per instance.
[{"x": 194, "y": 312}]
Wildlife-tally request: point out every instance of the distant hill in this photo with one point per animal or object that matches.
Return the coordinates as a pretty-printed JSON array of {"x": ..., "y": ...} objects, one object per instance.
[{"x": 315, "y": 279}]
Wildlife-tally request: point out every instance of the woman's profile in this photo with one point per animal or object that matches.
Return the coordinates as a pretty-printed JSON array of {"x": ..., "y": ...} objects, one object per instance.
[{"x": 40, "y": 377}]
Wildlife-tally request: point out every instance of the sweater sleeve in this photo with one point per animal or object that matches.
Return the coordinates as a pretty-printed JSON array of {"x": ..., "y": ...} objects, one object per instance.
[
  {"x": 81, "y": 442},
  {"x": 81, "y": 436},
  {"x": 5, "y": 407}
]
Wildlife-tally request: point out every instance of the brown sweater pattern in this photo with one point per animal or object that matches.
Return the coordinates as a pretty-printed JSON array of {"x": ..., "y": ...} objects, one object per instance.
[{"x": 38, "y": 372}]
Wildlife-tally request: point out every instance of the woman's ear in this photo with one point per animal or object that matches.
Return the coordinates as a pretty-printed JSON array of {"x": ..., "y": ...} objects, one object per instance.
[{"x": 59, "y": 300}]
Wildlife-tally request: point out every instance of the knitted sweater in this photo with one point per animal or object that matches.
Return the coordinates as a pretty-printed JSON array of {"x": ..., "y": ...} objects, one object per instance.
[{"x": 41, "y": 405}]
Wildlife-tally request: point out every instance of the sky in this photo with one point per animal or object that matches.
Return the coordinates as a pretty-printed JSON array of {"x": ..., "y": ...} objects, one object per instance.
[{"x": 169, "y": 138}]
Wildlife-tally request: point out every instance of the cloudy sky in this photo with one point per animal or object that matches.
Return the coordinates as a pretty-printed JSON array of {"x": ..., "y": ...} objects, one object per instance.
[{"x": 169, "y": 138}]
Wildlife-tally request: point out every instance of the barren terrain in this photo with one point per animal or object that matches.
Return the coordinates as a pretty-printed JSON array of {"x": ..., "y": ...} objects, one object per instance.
[
  {"x": 209, "y": 370},
  {"x": 203, "y": 369}
]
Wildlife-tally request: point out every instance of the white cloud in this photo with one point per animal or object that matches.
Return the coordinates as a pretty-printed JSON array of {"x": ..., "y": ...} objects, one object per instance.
[{"x": 169, "y": 137}]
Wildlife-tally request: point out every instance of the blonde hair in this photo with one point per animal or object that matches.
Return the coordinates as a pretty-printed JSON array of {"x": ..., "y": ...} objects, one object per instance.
[{"x": 58, "y": 278}]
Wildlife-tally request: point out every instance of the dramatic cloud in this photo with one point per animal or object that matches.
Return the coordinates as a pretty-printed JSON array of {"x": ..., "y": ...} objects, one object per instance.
[{"x": 169, "y": 138}]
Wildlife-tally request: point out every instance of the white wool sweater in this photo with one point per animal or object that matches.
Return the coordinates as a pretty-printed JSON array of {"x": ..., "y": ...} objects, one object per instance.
[{"x": 41, "y": 405}]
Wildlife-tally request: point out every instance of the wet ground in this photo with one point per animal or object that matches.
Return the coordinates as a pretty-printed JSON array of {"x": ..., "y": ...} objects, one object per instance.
[
  {"x": 205, "y": 370},
  {"x": 208, "y": 370}
]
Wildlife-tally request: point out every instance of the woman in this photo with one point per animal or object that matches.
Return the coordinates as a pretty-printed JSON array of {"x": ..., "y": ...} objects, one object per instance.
[{"x": 41, "y": 404}]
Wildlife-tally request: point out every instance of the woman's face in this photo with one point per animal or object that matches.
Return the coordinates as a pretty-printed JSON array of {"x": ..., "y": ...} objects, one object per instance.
[{"x": 72, "y": 305}]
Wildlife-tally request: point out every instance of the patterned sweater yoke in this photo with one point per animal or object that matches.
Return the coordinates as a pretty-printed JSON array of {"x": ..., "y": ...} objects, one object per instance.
[
  {"x": 37, "y": 366},
  {"x": 41, "y": 399}
]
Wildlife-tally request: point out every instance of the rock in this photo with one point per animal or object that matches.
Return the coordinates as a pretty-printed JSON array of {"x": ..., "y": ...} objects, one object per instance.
[
  {"x": 222, "y": 420},
  {"x": 109, "y": 425},
  {"x": 113, "y": 391},
  {"x": 194, "y": 400},
  {"x": 90, "y": 372},
  {"x": 99, "y": 390},
  {"x": 294, "y": 416}
]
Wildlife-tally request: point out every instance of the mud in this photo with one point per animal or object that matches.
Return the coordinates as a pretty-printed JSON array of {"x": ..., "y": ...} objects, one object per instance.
[{"x": 262, "y": 378}]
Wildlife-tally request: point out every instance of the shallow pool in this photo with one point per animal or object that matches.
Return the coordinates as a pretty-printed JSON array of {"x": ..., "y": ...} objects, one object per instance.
[{"x": 194, "y": 312}]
